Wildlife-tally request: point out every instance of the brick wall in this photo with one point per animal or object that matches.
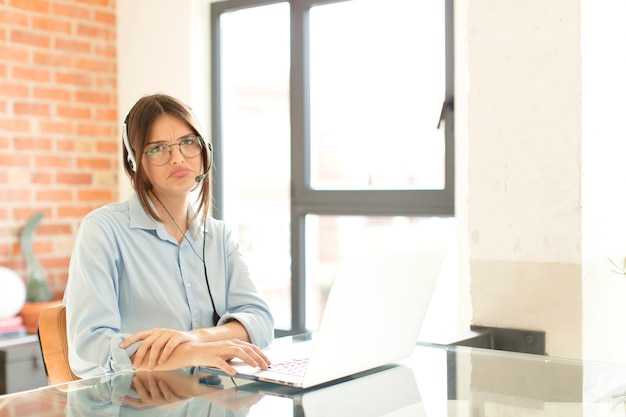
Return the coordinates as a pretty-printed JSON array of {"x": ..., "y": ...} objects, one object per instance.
[{"x": 59, "y": 134}]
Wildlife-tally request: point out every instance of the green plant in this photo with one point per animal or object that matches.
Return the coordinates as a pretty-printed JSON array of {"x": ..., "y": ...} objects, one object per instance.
[{"x": 37, "y": 285}]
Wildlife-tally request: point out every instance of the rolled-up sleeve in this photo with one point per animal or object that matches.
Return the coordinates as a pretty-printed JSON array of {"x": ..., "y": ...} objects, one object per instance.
[{"x": 93, "y": 319}]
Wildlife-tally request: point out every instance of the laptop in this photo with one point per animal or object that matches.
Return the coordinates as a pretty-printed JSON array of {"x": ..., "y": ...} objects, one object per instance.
[{"x": 373, "y": 316}]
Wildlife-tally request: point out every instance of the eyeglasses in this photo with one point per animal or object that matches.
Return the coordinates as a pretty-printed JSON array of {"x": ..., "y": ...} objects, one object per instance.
[{"x": 190, "y": 147}]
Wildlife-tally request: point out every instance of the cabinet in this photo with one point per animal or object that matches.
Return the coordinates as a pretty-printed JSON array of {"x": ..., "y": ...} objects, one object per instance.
[{"x": 21, "y": 365}]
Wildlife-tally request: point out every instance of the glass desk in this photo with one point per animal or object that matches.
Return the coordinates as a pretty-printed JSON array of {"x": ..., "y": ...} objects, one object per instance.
[{"x": 435, "y": 381}]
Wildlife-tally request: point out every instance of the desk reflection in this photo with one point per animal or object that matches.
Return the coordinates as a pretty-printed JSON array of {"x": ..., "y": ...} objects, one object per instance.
[
  {"x": 172, "y": 393},
  {"x": 384, "y": 390}
]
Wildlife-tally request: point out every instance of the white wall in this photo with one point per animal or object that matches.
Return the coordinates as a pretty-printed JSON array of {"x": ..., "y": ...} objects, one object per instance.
[
  {"x": 604, "y": 176},
  {"x": 523, "y": 133},
  {"x": 163, "y": 48}
]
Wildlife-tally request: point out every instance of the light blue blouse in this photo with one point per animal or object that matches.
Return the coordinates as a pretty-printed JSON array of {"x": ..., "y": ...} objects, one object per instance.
[{"x": 128, "y": 274}]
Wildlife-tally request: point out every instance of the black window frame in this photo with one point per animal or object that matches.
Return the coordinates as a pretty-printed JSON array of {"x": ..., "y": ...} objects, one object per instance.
[{"x": 304, "y": 199}]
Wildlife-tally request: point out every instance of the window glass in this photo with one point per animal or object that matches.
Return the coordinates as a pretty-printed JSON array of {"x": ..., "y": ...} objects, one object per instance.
[
  {"x": 256, "y": 145},
  {"x": 377, "y": 86},
  {"x": 331, "y": 238}
]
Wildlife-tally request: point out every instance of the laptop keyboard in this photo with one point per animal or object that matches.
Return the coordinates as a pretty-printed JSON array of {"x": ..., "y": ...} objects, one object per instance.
[{"x": 294, "y": 367}]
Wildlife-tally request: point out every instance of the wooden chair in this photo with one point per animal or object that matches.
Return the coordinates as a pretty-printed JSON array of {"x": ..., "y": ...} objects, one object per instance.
[{"x": 53, "y": 341}]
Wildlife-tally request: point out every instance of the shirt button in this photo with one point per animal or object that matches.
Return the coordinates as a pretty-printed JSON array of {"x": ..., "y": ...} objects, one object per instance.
[{"x": 187, "y": 284}]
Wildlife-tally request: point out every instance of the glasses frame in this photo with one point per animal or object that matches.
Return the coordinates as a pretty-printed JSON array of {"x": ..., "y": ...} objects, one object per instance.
[{"x": 198, "y": 140}]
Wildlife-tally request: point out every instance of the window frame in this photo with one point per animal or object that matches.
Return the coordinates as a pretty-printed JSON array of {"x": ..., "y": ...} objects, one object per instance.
[{"x": 304, "y": 199}]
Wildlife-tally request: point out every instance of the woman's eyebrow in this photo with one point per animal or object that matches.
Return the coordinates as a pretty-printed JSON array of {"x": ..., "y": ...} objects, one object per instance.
[{"x": 164, "y": 141}]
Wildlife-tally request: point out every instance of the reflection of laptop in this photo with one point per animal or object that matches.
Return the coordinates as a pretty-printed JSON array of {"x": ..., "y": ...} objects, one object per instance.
[
  {"x": 373, "y": 316},
  {"x": 387, "y": 390}
]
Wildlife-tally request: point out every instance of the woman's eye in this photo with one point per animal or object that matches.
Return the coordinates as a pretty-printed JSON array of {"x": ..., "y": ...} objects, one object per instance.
[
  {"x": 188, "y": 141},
  {"x": 155, "y": 149}
]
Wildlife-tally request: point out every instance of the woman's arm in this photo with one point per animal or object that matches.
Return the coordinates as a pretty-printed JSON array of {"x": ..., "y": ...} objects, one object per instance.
[
  {"x": 209, "y": 354},
  {"x": 93, "y": 320},
  {"x": 158, "y": 344}
]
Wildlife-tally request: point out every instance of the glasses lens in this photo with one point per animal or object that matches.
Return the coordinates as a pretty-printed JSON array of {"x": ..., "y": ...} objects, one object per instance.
[
  {"x": 158, "y": 154},
  {"x": 191, "y": 147}
]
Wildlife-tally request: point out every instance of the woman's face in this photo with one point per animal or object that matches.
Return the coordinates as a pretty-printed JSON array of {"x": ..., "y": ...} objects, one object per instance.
[{"x": 177, "y": 175}]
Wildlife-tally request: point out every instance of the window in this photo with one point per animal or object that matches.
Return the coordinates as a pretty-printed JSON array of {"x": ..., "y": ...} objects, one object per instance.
[{"x": 333, "y": 134}]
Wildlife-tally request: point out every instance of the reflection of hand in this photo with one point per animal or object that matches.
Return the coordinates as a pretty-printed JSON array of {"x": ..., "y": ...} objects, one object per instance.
[
  {"x": 158, "y": 344},
  {"x": 154, "y": 391},
  {"x": 234, "y": 400},
  {"x": 173, "y": 389}
]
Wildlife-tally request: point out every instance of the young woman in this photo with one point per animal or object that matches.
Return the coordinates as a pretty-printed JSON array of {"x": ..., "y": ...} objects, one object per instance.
[{"x": 154, "y": 281}]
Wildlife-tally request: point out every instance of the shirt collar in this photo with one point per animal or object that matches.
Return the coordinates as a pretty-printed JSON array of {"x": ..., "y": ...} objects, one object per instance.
[{"x": 141, "y": 220}]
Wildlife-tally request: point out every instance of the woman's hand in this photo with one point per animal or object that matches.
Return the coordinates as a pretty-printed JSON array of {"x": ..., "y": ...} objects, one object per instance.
[
  {"x": 218, "y": 354},
  {"x": 157, "y": 343}
]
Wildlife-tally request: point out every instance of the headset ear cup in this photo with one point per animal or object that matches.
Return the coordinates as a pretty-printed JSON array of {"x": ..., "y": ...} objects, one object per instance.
[{"x": 129, "y": 150}]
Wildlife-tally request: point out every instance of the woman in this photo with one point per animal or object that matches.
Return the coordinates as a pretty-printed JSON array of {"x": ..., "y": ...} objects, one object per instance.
[{"x": 154, "y": 282}]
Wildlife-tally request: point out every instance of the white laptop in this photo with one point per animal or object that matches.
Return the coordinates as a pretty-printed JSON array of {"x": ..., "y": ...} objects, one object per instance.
[{"x": 373, "y": 317}]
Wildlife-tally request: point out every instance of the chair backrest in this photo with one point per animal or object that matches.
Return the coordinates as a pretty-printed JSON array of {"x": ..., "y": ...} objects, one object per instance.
[{"x": 53, "y": 341}]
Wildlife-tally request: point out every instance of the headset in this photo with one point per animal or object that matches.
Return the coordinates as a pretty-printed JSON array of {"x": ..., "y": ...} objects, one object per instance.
[{"x": 129, "y": 150}]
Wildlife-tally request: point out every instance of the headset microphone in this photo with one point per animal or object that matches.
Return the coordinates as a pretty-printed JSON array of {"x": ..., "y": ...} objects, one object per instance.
[{"x": 201, "y": 177}]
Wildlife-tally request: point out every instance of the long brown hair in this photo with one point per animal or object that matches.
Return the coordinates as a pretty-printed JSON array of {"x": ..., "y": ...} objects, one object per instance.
[{"x": 138, "y": 123}]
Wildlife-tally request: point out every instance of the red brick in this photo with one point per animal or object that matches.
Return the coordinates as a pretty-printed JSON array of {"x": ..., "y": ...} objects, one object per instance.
[
  {"x": 73, "y": 78},
  {"x": 52, "y": 161},
  {"x": 74, "y": 112},
  {"x": 32, "y": 74},
  {"x": 50, "y": 263},
  {"x": 106, "y": 51},
  {"x": 95, "y": 2},
  {"x": 41, "y": 178},
  {"x": 71, "y": 11},
  {"x": 105, "y": 83},
  {"x": 96, "y": 65},
  {"x": 92, "y": 130},
  {"x": 73, "y": 210},
  {"x": 13, "y": 17},
  {"x": 23, "y": 213},
  {"x": 94, "y": 31},
  {"x": 52, "y": 93},
  {"x": 93, "y": 97},
  {"x": 19, "y": 161},
  {"x": 105, "y": 17},
  {"x": 14, "y": 125},
  {"x": 29, "y": 38},
  {"x": 41, "y": 6},
  {"x": 49, "y": 58},
  {"x": 73, "y": 178},
  {"x": 32, "y": 109},
  {"x": 72, "y": 45},
  {"x": 54, "y": 195},
  {"x": 15, "y": 195},
  {"x": 54, "y": 229},
  {"x": 55, "y": 127},
  {"x": 32, "y": 144},
  {"x": 93, "y": 163},
  {"x": 95, "y": 195},
  {"x": 12, "y": 89},
  {"x": 14, "y": 53},
  {"x": 107, "y": 114},
  {"x": 109, "y": 148},
  {"x": 51, "y": 25}
]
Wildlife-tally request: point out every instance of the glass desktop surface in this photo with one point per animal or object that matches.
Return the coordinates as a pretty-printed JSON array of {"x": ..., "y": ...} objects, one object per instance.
[{"x": 435, "y": 381}]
